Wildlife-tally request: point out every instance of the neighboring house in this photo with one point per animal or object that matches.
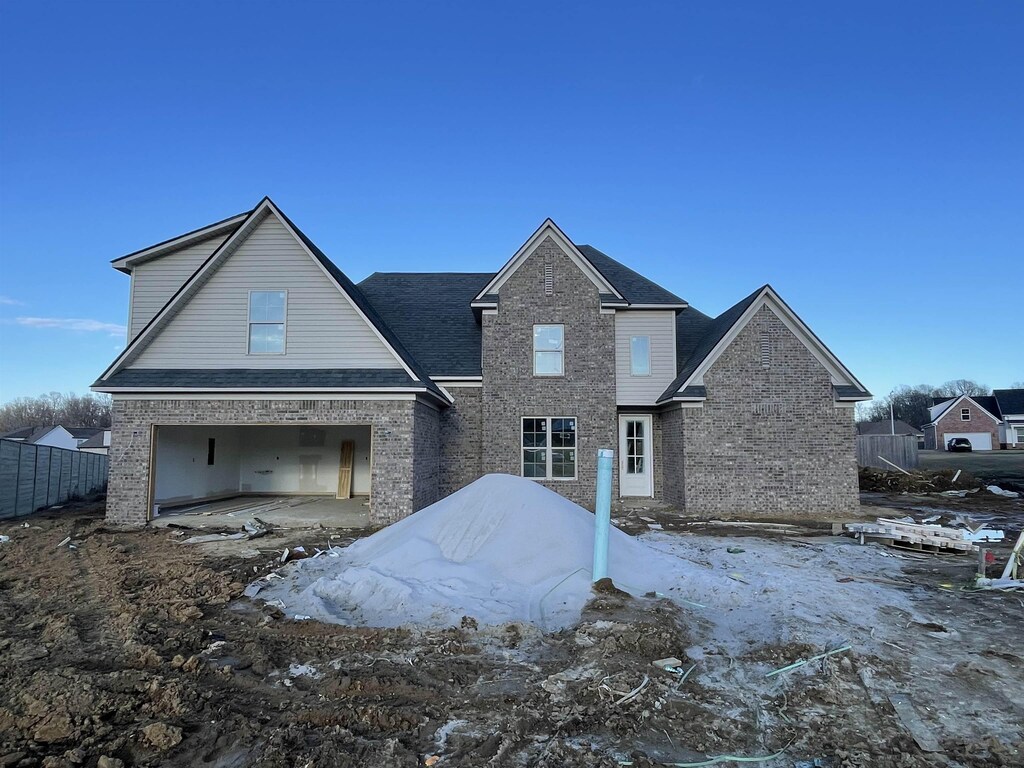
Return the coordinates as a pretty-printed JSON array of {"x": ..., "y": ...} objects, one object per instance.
[
  {"x": 1010, "y": 403},
  {"x": 55, "y": 437},
  {"x": 81, "y": 434},
  {"x": 974, "y": 417},
  {"x": 890, "y": 427},
  {"x": 98, "y": 443},
  {"x": 254, "y": 365}
]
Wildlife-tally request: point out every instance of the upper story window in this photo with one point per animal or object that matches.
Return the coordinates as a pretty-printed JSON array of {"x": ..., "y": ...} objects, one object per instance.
[
  {"x": 965, "y": 414},
  {"x": 548, "y": 350},
  {"x": 640, "y": 356},
  {"x": 267, "y": 310}
]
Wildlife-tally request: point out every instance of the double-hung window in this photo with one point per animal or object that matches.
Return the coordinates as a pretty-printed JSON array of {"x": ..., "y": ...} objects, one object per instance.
[
  {"x": 267, "y": 310},
  {"x": 965, "y": 414},
  {"x": 548, "y": 350},
  {"x": 640, "y": 356},
  {"x": 549, "y": 448}
]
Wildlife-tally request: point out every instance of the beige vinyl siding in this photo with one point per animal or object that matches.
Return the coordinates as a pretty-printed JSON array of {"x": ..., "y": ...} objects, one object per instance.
[
  {"x": 322, "y": 328},
  {"x": 660, "y": 327},
  {"x": 155, "y": 281}
]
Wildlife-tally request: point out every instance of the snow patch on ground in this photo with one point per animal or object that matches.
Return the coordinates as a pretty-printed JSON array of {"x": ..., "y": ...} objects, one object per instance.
[{"x": 505, "y": 549}]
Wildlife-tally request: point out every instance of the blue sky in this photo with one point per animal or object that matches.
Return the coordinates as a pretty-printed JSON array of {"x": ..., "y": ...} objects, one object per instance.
[{"x": 866, "y": 159}]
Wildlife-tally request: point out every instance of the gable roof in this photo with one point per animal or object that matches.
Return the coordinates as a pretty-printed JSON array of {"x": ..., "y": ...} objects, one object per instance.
[
  {"x": 431, "y": 313},
  {"x": 19, "y": 434},
  {"x": 1009, "y": 401},
  {"x": 716, "y": 337},
  {"x": 987, "y": 404},
  {"x": 634, "y": 287},
  {"x": 264, "y": 208},
  {"x": 547, "y": 229},
  {"x": 224, "y": 226},
  {"x": 82, "y": 433},
  {"x": 99, "y": 440},
  {"x": 886, "y": 428}
]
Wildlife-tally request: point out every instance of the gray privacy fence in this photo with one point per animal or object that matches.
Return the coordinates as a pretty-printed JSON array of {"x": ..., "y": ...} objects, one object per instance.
[
  {"x": 901, "y": 450},
  {"x": 36, "y": 476}
]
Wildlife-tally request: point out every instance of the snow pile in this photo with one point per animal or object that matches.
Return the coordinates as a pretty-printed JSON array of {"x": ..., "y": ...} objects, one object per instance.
[{"x": 501, "y": 549}]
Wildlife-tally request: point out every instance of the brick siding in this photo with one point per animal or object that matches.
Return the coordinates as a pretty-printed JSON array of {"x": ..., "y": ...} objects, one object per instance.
[
  {"x": 460, "y": 439},
  {"x": 767, "y": 441},
  {"x": 404, "y": 467},
  {"x": 586, "y": 391},
  {"x": 950, "y": 422}
]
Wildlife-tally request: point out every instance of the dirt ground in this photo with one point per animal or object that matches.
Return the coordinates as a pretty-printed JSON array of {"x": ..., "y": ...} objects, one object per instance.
[{"x": 131, "y": 648}]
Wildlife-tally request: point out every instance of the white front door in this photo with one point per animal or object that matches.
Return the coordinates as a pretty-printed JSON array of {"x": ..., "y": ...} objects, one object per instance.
[{"x": 636, "y": 468}]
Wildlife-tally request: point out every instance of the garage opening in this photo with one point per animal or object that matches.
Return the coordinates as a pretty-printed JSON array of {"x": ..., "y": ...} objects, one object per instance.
[{"x": 322, "y": 468}]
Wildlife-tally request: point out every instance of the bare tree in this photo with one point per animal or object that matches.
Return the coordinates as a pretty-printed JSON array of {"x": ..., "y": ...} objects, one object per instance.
[
  {"x": 909, "y": 404},
  {"x": 68, "y": 410},
  {"x": 957, "y": 387}
]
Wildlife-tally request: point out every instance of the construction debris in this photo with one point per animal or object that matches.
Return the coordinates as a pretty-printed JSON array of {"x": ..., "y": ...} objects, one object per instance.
[
  {"x": 918, "y": 481},
  {"x": 1000, "y": 492},
  {"x": 919, "y": 536}
]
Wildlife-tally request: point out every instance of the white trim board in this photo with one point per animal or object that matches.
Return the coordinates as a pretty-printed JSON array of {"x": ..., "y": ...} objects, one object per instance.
[
  {"x": 548, "y": 229},
  {"x": 177, "y": 243}
]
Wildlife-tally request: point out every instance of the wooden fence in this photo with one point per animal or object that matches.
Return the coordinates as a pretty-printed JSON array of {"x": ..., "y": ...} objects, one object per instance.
[
  {"x": 37, "y": 476},
  {"x": 901, "y": 450}
]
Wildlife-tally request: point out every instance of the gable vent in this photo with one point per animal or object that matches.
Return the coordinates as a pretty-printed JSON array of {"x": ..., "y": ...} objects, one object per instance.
[
  {"x": 549, "y": 280},
  {"x": 766, "y": 351}
]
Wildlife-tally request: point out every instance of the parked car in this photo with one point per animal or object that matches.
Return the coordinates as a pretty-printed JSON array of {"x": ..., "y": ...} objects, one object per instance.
[{"x": 959, "y": 444}]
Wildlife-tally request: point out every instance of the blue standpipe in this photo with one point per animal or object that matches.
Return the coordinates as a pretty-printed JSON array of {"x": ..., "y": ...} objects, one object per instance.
[{"x": 602, "y": 512}]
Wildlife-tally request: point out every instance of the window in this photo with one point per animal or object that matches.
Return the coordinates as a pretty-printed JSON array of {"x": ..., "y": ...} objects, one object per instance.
[
  {"x": 640, "y": 356},
  {"x": 1020, "y": 434},
  {"x": 549, "y": 448},
  {"x": 965, "y": 414},
  {"x": 266, "y": 322},
  {"x": 211, "y": 447},
  {"x": 548, "y": 344}
]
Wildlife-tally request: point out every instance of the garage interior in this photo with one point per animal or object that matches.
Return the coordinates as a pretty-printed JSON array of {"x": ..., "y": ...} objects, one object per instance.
[{"x": 314, "y": 471}]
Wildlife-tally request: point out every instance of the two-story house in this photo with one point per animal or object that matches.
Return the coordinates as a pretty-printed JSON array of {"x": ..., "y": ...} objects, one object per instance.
[{"x": 254, "y": 365}]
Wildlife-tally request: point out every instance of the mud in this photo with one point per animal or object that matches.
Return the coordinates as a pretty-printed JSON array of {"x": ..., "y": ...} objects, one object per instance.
[{"x": 133, "y": 649}]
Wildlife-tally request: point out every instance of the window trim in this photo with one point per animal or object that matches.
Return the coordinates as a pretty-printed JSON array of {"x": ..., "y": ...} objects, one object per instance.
[
  {"x": 523, "y": 448},
  {"x": 965, "y": 414},
  {"x": 632, "y": 371},
  {"x": 249, "y": 323},
  {"x": 534, "y": 351}
]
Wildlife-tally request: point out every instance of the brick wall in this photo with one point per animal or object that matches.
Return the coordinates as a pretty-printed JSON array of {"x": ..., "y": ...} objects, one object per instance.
[
  {"x": 405, "y": 436},
  {"x": 768, "y": 441},
  {"x": 587, "y": 391},
  {"x": 460, "y": 439},
  {"x": 426, "y": 457},
  {"x": 979, "y": 422},
  {"x": 673, "y": 453}
]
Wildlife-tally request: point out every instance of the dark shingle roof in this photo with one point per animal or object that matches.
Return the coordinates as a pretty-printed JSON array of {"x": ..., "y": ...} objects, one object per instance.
[
  {"x": 81, "y": 433},
  {"x": 885, "y": 428},
  {"x": 1009, "y": 400},
  {"x": 633, "y": 286},
  {"x": 96, "y": 441},
  {"x": 431, "y": 313},
  {"x": 221, "y": 378},
  {"x": 989, "y": 403},
  {"x": 20, "y": 433},
  {"x": 714, "y": 330},
  {"x": 366, "y": 308},
  {"x": 849, "y": 391}
]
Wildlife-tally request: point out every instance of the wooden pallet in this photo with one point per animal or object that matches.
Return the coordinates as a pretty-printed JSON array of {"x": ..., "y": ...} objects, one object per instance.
[{"x": 914, "y": 536}]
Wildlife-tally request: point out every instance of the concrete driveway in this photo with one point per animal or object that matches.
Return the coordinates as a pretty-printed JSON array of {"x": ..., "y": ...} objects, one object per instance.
[{"x": 993, "y": 466}]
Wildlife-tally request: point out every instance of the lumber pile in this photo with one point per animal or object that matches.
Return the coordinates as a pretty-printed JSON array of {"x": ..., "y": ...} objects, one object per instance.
[{"x": 922, "y": 537}]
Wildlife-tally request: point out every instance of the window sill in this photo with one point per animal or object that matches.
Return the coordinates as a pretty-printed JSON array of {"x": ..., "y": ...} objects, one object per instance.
[{"x": 550, "y": 479}]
